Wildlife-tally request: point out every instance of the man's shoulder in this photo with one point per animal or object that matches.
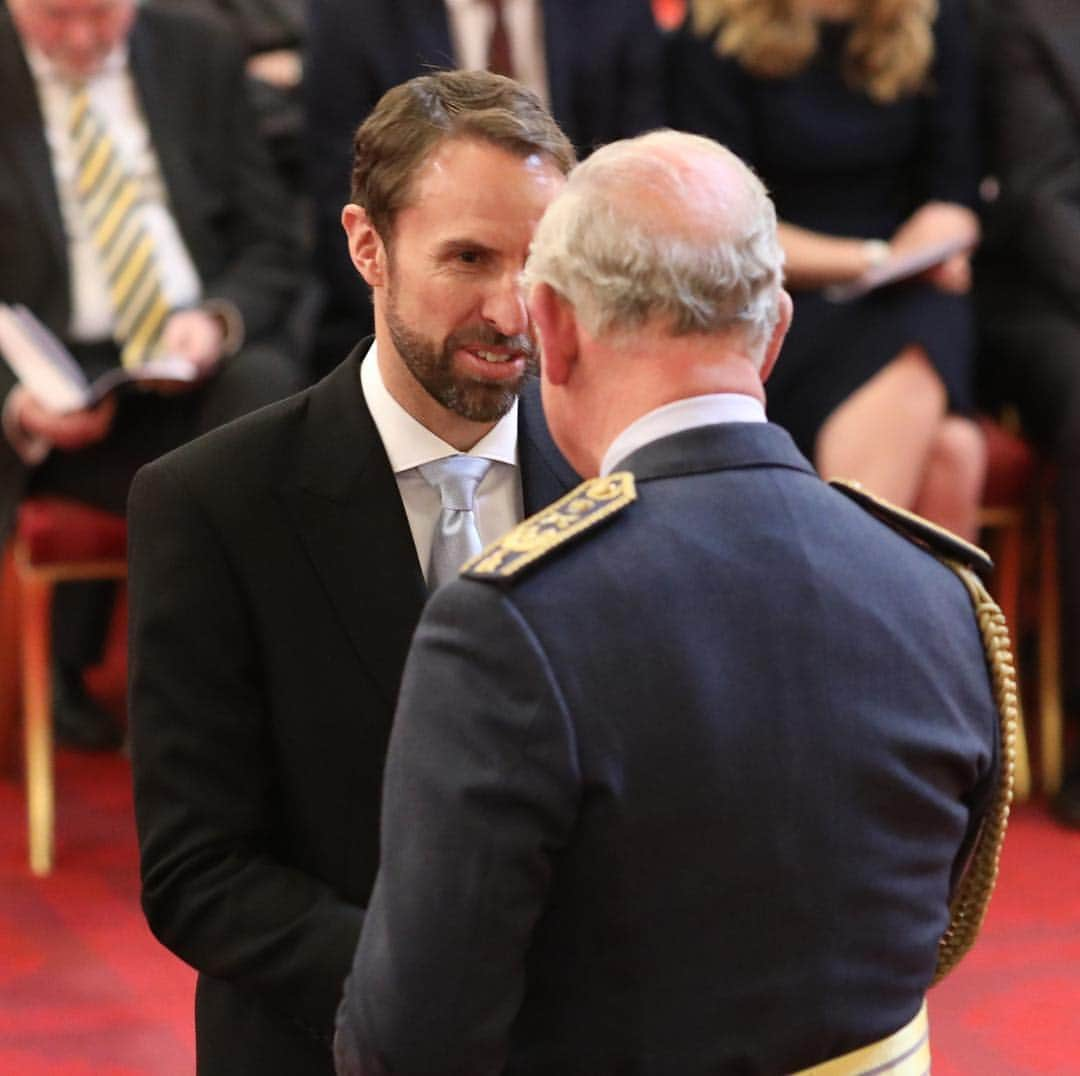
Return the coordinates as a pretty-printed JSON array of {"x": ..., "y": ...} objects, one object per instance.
[
  {"x": 571, "y": 519},
  {"x": 924, "y": 533},
  {"x": 247, "y": 448}
]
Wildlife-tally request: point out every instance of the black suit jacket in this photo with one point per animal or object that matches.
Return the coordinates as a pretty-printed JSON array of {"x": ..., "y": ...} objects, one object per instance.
[
  {"x": 233, "y": 215},
  {"x": 1028, "y": 272},
  {"x": 687, "y": 798},
  {"x": 274, "y": 591},
  {"x": 605, "y": 76}
]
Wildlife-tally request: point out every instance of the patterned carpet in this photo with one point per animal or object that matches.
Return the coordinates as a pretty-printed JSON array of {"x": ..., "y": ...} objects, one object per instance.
[{"x": 86, "y": 991}]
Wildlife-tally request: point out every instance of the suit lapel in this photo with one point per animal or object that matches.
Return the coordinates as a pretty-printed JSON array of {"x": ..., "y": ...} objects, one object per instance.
[
  {"x": 560, "y": 25},
  {"x": 344, "y": 502},
  {"x": 23, "y": 130},
  {"x": 157, "y": 76},
  {"x": 427, "y": 24},
  {"x": 545, "y": 474}
]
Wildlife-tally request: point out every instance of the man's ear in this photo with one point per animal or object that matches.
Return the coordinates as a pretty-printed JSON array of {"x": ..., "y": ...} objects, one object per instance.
[
  {"x": 776, "y": 340},
  {"x": 557, "y": 327},
  {"x": 365, "y": 245}
]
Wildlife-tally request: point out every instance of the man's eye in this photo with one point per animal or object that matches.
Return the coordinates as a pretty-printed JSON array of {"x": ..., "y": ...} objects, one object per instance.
[{"x": 470, "y": 257}]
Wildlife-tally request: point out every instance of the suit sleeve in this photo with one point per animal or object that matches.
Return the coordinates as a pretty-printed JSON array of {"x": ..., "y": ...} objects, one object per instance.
[
  {"x": 260, "y": 273},
  {"x": 340, "y": 88},
  {"x": 949, "y": 166},
  {"x": 481, "y": 792},
  {"x": 1035, "y": 145},
  {"x": 213, "y": 890},
  {"x": 710, "y": 95}
]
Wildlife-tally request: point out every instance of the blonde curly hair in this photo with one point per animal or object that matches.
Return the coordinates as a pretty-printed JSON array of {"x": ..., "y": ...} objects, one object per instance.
[{"x": 889, "y": 51}]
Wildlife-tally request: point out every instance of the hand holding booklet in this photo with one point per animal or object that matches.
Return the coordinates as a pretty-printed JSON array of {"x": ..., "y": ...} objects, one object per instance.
[
  {"x": 49, "y": 372},
  {"x": 897, "y": 268}
]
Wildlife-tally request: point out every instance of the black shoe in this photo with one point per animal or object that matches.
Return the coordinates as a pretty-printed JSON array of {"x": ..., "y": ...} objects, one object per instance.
[
  {"x": 78, "y": 721},
  {"x": 1066, "y": 804}
]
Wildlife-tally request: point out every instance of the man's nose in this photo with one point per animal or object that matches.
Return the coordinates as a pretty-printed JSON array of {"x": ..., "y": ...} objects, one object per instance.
[{"x": 504, "y": 306}]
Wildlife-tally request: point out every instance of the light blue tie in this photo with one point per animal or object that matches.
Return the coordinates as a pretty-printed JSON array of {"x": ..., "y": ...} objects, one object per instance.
[{"x": 456, "y": 538}]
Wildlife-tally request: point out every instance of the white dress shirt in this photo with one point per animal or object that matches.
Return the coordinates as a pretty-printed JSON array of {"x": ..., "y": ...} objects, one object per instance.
[
  {"x": 681, "y": 415},
  {"x": 471, "y": 26},
  {"x": 113, "y": 98},
  {"x": 408, "y": 444}
]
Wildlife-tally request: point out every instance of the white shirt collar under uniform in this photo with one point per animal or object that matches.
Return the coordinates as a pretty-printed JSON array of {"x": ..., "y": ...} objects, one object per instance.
[
  {"x": 408, "y": 444},
  {"x": 681, "y": 415}
]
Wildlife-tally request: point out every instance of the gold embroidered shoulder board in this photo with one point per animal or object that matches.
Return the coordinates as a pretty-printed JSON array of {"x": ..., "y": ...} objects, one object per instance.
[
  {"x": 567, "y": 519},
  {"x": 936, "y": 539}
]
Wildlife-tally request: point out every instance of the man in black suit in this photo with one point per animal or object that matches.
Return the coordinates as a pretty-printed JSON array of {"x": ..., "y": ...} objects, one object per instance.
[
  {"x": 169, "y": 89},
  {"x": 1028, "y": 277},
  {"x": 599, "y": 64},
  {"x": 278, "y": 571},
  {"x": 684, "y": 769}
]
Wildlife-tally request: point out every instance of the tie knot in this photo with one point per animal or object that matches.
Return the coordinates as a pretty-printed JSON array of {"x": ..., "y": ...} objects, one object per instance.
[{"x": 456, "y": 479}]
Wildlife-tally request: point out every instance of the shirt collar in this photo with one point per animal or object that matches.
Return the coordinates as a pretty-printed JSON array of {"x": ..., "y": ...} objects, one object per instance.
[
  {"x": 44, "y": 70},
  {"x": 681, "y": 415},
  {"x": 409, "y": 443}
]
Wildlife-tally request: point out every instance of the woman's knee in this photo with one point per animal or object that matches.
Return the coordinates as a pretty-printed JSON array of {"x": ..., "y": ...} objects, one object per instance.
[{"x": 959, "y": 452}]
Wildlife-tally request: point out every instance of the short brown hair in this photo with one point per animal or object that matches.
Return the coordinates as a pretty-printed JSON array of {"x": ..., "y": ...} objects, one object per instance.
[{"x": 410, "y": 120}]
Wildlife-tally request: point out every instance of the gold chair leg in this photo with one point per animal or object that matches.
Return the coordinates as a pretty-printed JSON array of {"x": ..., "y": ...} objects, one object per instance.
[
  {"x": 1009, "y": 567},
  {"x": 1051, "y": 730},
  {"x": 36, "y": 598}
]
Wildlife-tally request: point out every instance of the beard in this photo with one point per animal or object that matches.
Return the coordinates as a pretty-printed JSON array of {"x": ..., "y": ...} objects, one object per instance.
[{"x": 433, "y": 367}]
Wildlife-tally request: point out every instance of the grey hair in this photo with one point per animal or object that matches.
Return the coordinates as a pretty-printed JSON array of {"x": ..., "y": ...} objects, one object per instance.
[{"x": 645, "y": 230}]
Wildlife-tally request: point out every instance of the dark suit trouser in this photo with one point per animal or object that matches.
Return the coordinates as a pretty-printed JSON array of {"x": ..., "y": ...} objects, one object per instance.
[
  {"x": 146, "y": 426},
  {"x": 1033, "y": 362}
]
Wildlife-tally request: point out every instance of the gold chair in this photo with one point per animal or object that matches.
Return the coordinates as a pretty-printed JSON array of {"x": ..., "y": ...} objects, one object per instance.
[
  {"x": 56, "y": 540},
  {"x": 1019, "y": 522}
]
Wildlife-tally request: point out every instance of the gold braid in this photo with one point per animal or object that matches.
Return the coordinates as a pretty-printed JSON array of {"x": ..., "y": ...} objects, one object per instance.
[{"x": 969, "y": 903}]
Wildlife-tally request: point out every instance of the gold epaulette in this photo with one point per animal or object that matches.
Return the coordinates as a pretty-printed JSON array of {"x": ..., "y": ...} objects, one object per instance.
[
  {"x": 567, "y": 519},
  {"x": 921, "y": 531}
]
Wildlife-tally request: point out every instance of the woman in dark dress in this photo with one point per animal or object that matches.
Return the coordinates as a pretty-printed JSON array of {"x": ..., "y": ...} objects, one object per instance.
[{"x": 859, "y": 116}]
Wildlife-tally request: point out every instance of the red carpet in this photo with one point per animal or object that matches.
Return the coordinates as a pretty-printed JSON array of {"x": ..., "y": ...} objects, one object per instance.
[{"x": 86, "y": 991}]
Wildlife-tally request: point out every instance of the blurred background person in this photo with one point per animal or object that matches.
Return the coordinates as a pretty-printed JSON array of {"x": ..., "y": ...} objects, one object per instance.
[
  {"x": 138, "y": 213},
  {"x": 598, "y": 65},
  {"x": 273, "y": 34},
  {"x": 1028, "y": 275},
  {"x": 859, "y": 117}
]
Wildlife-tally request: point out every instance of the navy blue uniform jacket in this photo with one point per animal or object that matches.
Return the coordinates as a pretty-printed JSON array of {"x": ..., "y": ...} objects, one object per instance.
[{"x": 686, "y": 798}]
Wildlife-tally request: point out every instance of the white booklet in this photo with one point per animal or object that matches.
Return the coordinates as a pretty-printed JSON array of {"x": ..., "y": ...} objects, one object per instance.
[
  {"x": 897, "y": 268},
  {"x": 49, "y": 372}
]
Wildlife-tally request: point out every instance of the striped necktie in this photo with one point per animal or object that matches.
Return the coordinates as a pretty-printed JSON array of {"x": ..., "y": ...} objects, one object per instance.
[{"x": 109, "y": 196}]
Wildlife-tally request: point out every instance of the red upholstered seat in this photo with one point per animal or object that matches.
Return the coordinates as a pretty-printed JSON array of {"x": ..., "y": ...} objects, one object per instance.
[
  {"x": 52, "y": 530},
  {"x": 1019, "y": 522},
  {"x": 55, "y": 540},
  {"x": 1012, "y": 466}
]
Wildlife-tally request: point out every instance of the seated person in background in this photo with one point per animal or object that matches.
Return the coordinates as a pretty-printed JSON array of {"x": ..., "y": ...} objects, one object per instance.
[
  {"x": 273, "y": 33},
  {"x": 684, "y": 770},
  {"x": 138, "y": 216},
  {"x": 859, "y": 118},
  {"x": 1028, "y": 275},
  {"x": 598, "y": 65}
]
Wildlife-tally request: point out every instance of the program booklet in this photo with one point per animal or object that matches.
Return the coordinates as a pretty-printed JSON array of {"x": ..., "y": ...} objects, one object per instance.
[
  {"x": 896, "y": 269},
  {"x": 49, "y": 372}
]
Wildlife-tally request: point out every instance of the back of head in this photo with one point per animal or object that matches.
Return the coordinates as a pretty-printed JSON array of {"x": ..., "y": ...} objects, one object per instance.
[
  {"x": 411, "y": 119},
  {"x": 668, "y": 229}
]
